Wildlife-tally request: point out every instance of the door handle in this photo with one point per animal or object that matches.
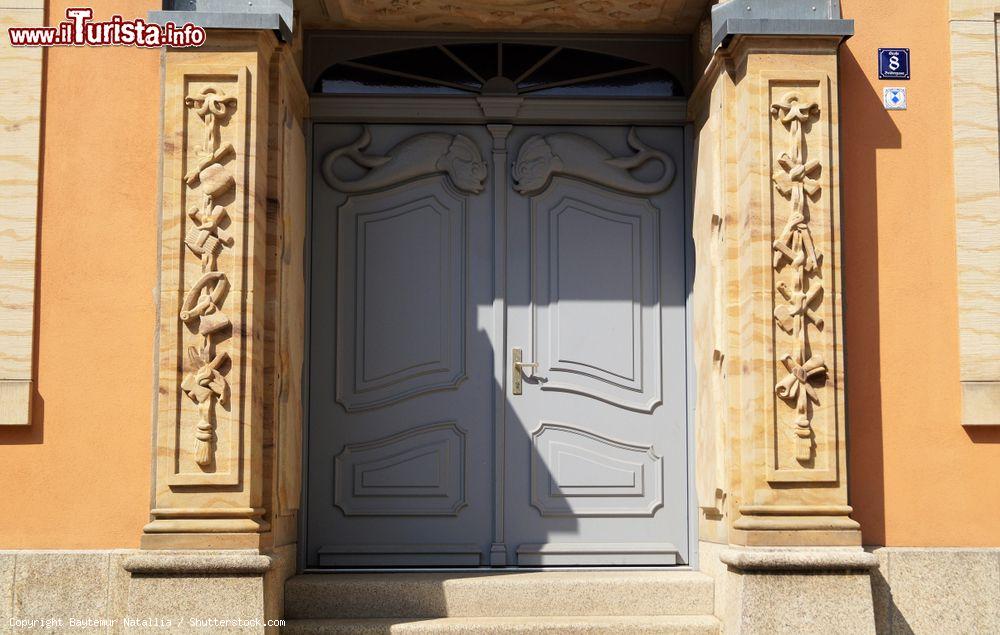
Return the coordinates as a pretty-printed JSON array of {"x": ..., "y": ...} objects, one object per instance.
[{"x": 517, "y": 370}]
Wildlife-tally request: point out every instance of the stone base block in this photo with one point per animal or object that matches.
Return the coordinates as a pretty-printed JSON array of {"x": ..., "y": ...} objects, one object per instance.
[
  {"x": 937, "y": 590},
  {"x": 196, "y": 603},
  {"x": 805, "y": 590},
  {"x": 207, "y": 592},
  {"x": 128, "y": 590},
  {"x": 800, "y": 603}
]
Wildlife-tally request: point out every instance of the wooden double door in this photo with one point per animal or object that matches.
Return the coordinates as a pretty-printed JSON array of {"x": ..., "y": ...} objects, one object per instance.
[{"x": 497, "y": 347}]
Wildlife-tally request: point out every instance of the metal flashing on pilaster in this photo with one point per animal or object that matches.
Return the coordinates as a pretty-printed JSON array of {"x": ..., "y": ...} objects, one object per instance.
[
  {"x": 778, "y": 17},
  {"x": 273, "y": 15}
]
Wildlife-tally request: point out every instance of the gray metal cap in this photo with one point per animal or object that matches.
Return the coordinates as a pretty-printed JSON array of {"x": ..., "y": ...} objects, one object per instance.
[{"x": 778, "y": 17}]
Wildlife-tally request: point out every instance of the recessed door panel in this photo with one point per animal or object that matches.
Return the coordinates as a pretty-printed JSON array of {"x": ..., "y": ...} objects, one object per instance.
[
  {"x": 596, "y": 265},
  {"x": 401, "y": 300},
  {"x": 419, "y": 472},
  {"x": 575, "y": 472}
]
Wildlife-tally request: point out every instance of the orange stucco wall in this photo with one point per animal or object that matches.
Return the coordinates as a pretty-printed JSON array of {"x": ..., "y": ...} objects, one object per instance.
[
  {"x": 917, "y": 477},
  {"x": 79, "y": 478}
]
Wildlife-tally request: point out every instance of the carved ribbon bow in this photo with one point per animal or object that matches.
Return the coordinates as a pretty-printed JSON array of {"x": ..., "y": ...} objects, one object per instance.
[
  {"x": 791, "y": 108},
  {"x": 795, "y": 386}
]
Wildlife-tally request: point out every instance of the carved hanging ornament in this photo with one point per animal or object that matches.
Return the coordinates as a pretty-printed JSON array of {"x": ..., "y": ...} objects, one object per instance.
[
  {"x": 796, "y": 179},
  {"x": 420, "y": 155},
  {"x": 205, "y": 383},
  {"x": 568, "y": 154}
]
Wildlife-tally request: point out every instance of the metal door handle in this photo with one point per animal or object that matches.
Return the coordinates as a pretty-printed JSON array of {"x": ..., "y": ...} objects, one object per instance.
[{"x": 517, "y": 370}]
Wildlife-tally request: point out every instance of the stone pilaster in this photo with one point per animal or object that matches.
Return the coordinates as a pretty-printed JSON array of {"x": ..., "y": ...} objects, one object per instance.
[
  {"x": 772, "y": 483},
  {"x": 209, "y": 489},
  {"x": 769, "y": 232},
  {"x": 789, "y": 477}
]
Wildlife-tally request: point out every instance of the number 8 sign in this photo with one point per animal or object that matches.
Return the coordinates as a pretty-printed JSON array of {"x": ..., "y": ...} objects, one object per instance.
[{"x": 893, "y": 63}]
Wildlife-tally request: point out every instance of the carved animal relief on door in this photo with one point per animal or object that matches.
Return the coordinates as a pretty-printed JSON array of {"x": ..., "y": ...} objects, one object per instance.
[{"x": 402, "y": 283}]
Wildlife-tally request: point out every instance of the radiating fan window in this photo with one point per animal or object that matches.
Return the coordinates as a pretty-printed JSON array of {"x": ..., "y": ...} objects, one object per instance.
[{"x": 523, "y": 69}]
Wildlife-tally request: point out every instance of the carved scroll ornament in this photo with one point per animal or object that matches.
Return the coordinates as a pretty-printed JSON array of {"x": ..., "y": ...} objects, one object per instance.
[
  {"x": 420, "y": 155},
  {"x": 542, "y": 157},
  {"x": 206, "y": 383},
  {"x": 795, "y": 179}
]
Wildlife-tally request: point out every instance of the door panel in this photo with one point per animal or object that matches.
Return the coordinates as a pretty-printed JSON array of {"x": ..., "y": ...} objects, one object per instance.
[
  {"x": 401, "y": 437},
  {"x": 596, "y": 265},
  {"x": 402, "y": 293},
  {"x": 429, "y": 265},
  {"x": 598, "y": 304}
]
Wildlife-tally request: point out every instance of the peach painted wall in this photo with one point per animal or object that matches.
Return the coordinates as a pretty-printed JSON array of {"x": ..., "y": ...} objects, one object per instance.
[
  {"x": 917, "y": 477},
  {"x": 79, "y": 478}
]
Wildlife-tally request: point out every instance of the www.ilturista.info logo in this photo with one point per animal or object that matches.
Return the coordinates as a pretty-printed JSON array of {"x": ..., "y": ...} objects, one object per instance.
[{"x": 80, "y": 30}]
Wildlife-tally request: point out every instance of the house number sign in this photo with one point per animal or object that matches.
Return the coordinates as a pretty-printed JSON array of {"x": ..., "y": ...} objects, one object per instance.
[{"x": 893, "y": 63}]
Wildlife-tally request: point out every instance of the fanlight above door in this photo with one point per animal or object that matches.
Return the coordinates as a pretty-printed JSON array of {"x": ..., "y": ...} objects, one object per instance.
[{"x": 498, "y": 68}]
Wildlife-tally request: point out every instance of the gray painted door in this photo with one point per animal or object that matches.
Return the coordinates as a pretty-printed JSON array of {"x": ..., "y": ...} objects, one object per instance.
[
  {"x": 434, "y": 254},
  {"x": 596, "y": 441}
]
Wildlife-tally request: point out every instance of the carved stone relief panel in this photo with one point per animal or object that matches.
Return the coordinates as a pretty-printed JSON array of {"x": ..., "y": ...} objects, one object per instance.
[
  {"x": 209, "y": 428},
  {"x": 768, "y": 325},
  {"x": 803, "y": 441},
  {"x": 206, "y": 221}
]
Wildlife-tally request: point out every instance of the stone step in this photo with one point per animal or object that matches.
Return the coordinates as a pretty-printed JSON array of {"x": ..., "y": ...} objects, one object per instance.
[
  {"x": 660, "y": 624},
  {"x": 498, "y": 594}
]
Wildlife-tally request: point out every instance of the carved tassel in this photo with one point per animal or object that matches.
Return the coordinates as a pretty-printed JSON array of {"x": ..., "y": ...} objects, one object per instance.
[
  {"x": 206, "y": 431},
  {"x": 803, "y": 441}
]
